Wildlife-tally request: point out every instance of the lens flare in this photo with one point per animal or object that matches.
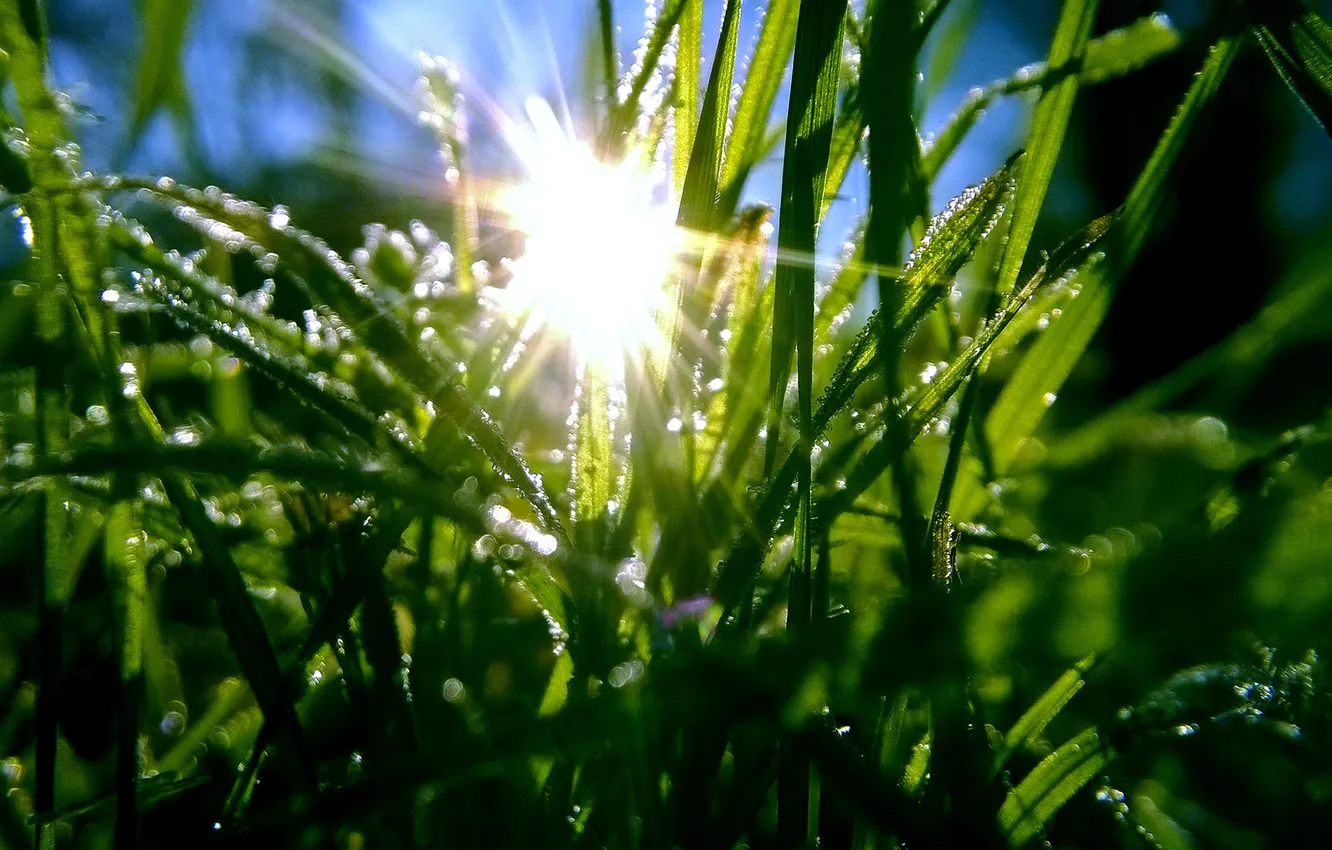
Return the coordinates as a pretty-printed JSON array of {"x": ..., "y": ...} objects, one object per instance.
[{"x": 599, "y": 244}]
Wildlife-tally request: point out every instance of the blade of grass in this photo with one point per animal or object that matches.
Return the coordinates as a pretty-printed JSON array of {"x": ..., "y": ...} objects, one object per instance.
[
  {"x": 1299, "y": 43},
  {"x": 1052, "y": 783},
  {"x": 1034, "y": 720},
  {"x": 1043, "y": 370},
  {"x": 814, "y": 80},
  {"x": 1049, "y": 123},
  {"x": 688, "y": 66},
  {"x": 1106, "y": 58},
  {"x": 627, "y": 112},
  {"x": 922, "y": 407},
  {"x": 610, "y": 61},
  {"x": 125, "y": 562},
  {"x": 745, "y": 147},
  {"x": 950, "y": 242}
]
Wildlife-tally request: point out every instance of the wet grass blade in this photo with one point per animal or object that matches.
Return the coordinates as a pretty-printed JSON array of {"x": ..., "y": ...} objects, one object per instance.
[
  {"x": 953, "y": 237},
  {"x": 745, "y": 147},
  {"x": 808, "y": 137},
  {"x": 126, "y": 564},
  {"x": 1049, "y": 123},
  {"x": 921, "y": 408},
  {"x": 698, "y": 198},
  {"x": 1106, "y": 58},
  {"x": 1046, "y": 366},
  {"x": 688, "y": 67},
  {"x": 626, "y": 113},
  {"x": 593, "y": 463},
  {"x": 1034, "y": 720},
  {"x": 380, "y": 330},
  {"x": 1298, "y": 41},
  {"x": 1052, "y": 783}
]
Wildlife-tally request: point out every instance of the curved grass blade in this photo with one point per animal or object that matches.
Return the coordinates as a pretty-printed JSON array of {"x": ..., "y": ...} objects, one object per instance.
[
  {"x": 698, "y": 198},
  {"x": 1113, "y": 55},
  {"x": 1052, "y": 783},
  {"x": 333, "y": 280},
  {"x": 1034, "y": 720},
  {"x": 1299, "y": 43},
  {"x": 922, "y": 408},
  {"x": 626, "y": 113},
  {"x": 952, "y": 238},
  {"x": 1048, "y": 363}
]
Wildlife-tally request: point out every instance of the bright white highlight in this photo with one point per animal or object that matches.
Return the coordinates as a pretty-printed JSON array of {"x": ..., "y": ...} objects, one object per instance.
[{"x": 599, "y": 247}]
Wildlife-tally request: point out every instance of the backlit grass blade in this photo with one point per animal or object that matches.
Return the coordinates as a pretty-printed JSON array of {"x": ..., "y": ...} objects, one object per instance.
[
  {"x": 593, "y": 463},
  {"x": 1048, "y": 125},
  {"x": 1299, "y": 43},
  {"x": 923, "y": 406},
  {"x": 626, "y": 112},
  {"x": 1052, "y": 783},
  {"x": 1034, "y": 720},
  {"x": 814, "y": 80},
  {"x": 688, "y": 67},
  {"x": 384, "y": 333},
  {"x": 949, "y": 244},
  {"x": 808, "y": 137},
  {"x": 610, "y": 60},
  {"x": 1106, "y": 58},
  {"x": 1047, "y": 365},
  {"x": 698, "y": 198},
  {"x": 767, "y": 67}
]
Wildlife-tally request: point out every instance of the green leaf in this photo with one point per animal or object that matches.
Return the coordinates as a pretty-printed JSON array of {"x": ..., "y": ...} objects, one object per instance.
[
  {"x": 1109, "y": 57},
  {"x": 160, "y": 81},
  {"x": 627, "y": 111},
  {"x": 809, "y": 135},
  {"x": 953, "y": 237},
  {"x": 698, "y": 198},
  {"x": 593, "y": 463},
  {"x": 1038, "y": 378},
  {"x": 688, "y": 66},
  {"x": 923, "y": 406},
  {"x": 1048, "y": 125},
  {"x": 1033, "y": 721},
  {"x": 1299, "y": 43},
  {"x": 1052, "y": 783},
  {"x": 745, "y": 147}
]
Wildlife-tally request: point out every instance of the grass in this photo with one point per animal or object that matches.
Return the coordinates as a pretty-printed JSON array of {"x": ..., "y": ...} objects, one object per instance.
[{"x": 319, "y": 550}]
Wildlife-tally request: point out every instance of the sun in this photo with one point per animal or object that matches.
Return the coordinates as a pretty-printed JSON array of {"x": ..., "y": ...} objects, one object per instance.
[{"x": 599, "y": 244}]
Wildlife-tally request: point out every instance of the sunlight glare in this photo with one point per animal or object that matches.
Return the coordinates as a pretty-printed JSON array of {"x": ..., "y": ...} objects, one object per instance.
[{"x": 599, "y": 244}]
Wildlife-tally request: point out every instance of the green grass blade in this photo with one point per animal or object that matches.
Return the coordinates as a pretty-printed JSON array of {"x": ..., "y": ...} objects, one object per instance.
[
  {"x": 1298, "y": 41},
  {"x": 593, "y": 463},
  {"x": 160, "y": 80},
  {"x": 1043, "y": 370},
  {"x": 1052, "y": 783},
  {"x": 1034, "y": 720},
  {"x": 1106, "y": 58},
  {"x": 333, "y": 280},
  {"x": 921, "y": 408},
  {"x": 745, "y": 147},
  {"x": 698, "y": 198},
  {"x": 688, "y": 67},
  {"x": 950, "y": 242},
  {"x": 627, "y": 112},
  {"x": 126, "y": 564},
  {"x": 244, "y": 629},
  {"x": 1049, "y": 123},
  {"x": 610, "y": 62},
  {"x": 814, "y": 80},
  {"x": 809, "y": 135}
]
